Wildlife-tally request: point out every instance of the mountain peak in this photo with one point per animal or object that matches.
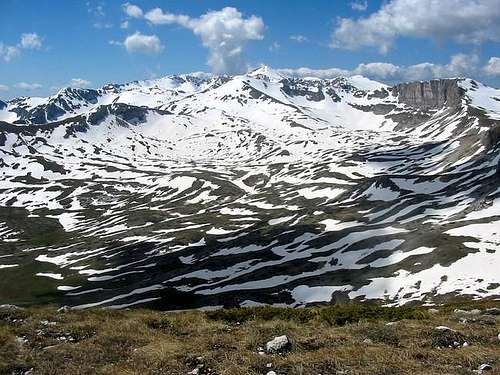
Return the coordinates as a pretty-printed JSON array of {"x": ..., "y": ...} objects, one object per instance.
[{"x": 266, "y": 72}]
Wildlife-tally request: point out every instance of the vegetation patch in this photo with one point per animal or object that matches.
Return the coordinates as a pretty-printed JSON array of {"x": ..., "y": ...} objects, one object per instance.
[
  {"x": 348, "y": 339},
  {"x": 353, "y": 313},
  {"x": 243, "y": 314}
]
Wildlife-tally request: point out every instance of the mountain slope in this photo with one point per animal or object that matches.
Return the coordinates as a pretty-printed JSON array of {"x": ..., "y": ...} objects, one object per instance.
[{"x": 196, "y": 190}]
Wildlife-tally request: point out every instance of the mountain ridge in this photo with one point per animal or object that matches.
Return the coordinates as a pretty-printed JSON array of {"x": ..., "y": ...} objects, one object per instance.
[{"x": 238, "y": 190}]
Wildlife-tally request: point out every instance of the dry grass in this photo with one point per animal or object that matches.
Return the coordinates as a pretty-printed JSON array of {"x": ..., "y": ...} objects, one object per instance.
[{"x": 333, "y": 340}]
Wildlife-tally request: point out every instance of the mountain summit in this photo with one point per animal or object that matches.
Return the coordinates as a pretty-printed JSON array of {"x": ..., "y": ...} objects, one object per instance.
[{"x": 199, "y": 190}]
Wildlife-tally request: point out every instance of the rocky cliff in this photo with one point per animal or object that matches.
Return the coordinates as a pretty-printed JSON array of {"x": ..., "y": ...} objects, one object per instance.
[{"x": 430, "y": 94}]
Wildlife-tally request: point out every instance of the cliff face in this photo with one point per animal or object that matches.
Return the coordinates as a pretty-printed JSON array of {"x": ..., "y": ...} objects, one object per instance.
[
  {"x": 430, "y": 94},
  {"x": 2, "y": 105}
]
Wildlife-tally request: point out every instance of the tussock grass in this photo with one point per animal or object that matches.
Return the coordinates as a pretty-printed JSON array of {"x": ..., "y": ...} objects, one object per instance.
[{"x": 348, "y": 339}]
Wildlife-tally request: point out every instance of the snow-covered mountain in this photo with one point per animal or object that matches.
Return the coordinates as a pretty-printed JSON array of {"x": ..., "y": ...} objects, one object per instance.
[{"x": 199, "y": 190}]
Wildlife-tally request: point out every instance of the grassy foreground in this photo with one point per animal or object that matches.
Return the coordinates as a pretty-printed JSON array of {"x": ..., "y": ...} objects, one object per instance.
[{"x": 348, "y": 339}]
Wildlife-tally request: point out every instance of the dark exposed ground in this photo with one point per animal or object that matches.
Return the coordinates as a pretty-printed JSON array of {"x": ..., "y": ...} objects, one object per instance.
[{"x": 348, "y": 339}]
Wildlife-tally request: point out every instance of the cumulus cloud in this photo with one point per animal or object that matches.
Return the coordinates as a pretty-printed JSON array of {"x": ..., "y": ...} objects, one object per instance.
[
  {"x": 132, "y": 10},
  {"x": 157, "y": 17},
  {"x": 124, "y": 25},
  {"x": 4, "y": 87},
  {"x": 28, "y": 86},
  {"x": 79, "y": 82},
  {"x": 28, "y": 41},
  {"x": 224, "y": 33},
  {"x": 360, "y": 6},
  {"x": 463, "y": 21},
  {"x": 7, "y": 53},
  {"x": 492, "y": 68},
  {"x": 298, "y": 38},
  {"x": 140, "y": 43},
  {"x": 459, "y": 65},
  {"x": 319, "y": 73},
  {"x": 31, "y": 41}
]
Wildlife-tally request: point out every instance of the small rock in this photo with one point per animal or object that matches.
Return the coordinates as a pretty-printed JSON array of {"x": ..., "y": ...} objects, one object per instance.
[
  {"x": 279, "y": 344},
  {"x": 269, "y": 365},
  {"x": 444, "y": 328},
  {"x": 498, "y": 337},
  {"x": 485, "y": 367},
  {"x": 492, "y": 311},
  {"x": 367, "y": 341},
  {"x": 271, "y": 373},
  {"x": 391, "y": 323},
  {"x": 467, "y": 312},
  {"x": 10, "y": 307},
  {"x": 465, "y": 344},
  {"x": 433, "y": 311},
  {"x": 47, "y": 323},
  {"x": 21, "y": 340},
  {"x": 63, "y": 309},
  {"x": 197, "y": 370}
]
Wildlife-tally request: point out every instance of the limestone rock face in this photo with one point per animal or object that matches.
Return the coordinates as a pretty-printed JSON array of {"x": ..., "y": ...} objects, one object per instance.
[{"x": 430, "y": 94}]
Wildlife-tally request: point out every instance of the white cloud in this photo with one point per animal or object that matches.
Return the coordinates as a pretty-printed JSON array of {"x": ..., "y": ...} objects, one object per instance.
[
  {"x": 79, "y": 82},
  {"x": 360, "y": 6},
  {"x": 319, "y": 73},
  {"x": 31, "y": 41},
  {"x": 102, "y": 25},
  {"x": 28, "y": 86},
  {"x": 224, "y": 33},
  {"x": 463, "y": 21},
  {"x": 115, "y": 43},
  {"x": 7, "y": 53},
  {"x": 28, "y": 41},
  {"x": 379, "y": 70},
  {"x": 298, "y": 38},
  {"x": 99, "y": 19},
  {"x": 4, "y": 87},
  {"x": 274, "y": 46},
  {"x": 124, "y": 25},
  {"x": 96, "y": 10},
  {"x": 459, "y": 65},
  {"x": 492, "y": 68},
  {"x": 140, "y": 43},
  {"x": 157, "y": 17},
  {"x": 132, "y": 10}
]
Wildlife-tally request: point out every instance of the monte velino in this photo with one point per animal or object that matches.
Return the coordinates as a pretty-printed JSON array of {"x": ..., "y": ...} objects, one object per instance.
[{"x": 205, "y": 191}]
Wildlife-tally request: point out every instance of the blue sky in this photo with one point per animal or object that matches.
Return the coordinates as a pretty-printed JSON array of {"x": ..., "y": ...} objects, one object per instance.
[{"x": 47, "y": 44}]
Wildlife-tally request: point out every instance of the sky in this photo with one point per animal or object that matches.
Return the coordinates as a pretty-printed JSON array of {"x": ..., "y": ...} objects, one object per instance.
[{"x": 49, "y": 44}]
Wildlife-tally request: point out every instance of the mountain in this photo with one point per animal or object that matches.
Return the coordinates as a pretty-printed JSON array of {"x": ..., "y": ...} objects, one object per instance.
[{"x": 197, "y": 190}]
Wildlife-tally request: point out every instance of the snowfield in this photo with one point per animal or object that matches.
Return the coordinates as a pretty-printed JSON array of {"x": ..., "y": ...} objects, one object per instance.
[{"x": 197, "y": 190}]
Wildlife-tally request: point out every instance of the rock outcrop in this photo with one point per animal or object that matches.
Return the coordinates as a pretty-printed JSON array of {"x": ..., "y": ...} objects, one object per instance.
[
  {"x": 279, "y": 344},
  {"x": 430, "y": 94}
]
